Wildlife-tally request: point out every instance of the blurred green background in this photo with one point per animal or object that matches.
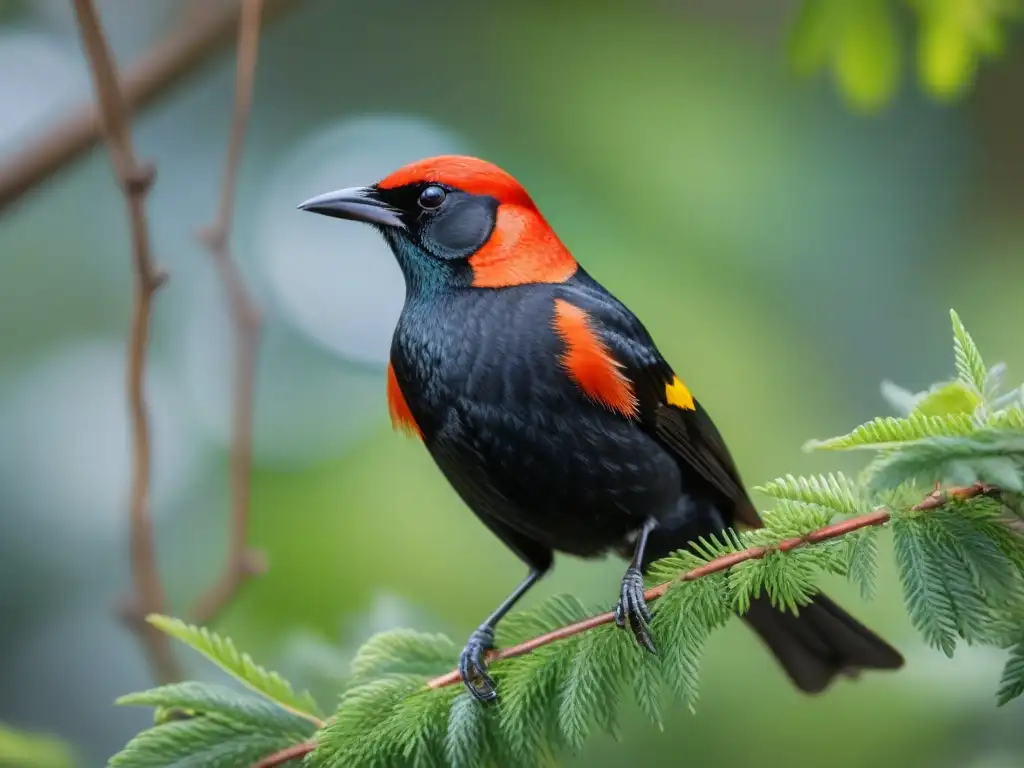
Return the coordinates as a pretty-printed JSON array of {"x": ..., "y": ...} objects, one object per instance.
[{"x": 786, "y": 249}]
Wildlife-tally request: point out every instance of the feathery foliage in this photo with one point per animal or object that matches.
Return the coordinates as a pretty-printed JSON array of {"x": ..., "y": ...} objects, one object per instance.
[
  {"x": 960, "y": 564},
  {"x": 222, "y": 652}
]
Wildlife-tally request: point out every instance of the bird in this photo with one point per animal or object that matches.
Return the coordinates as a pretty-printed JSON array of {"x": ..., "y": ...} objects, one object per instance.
[{"x": 549, "y": 409}]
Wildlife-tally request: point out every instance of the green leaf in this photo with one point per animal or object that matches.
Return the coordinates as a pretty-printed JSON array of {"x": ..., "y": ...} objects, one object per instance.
[
  {"x": 862, "y": 560},
  {"x": 857, "y": 38},
  {"x": 404, "y": 651},
  {"x": 202, "y": 742},
  {"x": 683, "y": 620},
  {"x": 592, "y": 691},
  {"x": 901, "y": 400},
  {"x": 889, "y": 432},
  {"x": 833, "y": 491},
  {"x": 222, "y": 652},
  {"x": 984, "y": 544},
  {"x": 20, "y": 749},
  {"x": 1012, "y": 683},
  {"x": 994, "y": 382},
  {"x": 868, "y": 55},
  {"x": 974, "y": 620},
  {"x": 208, "y": 698},
  {"x": 556, "y": 611},
  {"x": 363, "y": 729},
  {"x": 529, "y": 690},
  {"x": 467, "y": 740},
  {"x": 924, "y": 590},
  {"x": 970, "y": 368},
  {"x": 954, "y": 36},
  {"x": 648, "y": 689},
  {"x": 788, "y": 578},
  {"x": 1010, "y": 418},
  {"x": 954, "y": 397},
  {"x": 936, "y": 459}
]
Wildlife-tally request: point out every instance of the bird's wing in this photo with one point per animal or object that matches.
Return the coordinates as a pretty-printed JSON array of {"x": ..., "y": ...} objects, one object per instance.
[{"x": 664, "y": 406}]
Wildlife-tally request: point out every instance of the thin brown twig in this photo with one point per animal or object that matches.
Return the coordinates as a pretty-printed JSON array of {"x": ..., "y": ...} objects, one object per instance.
[
  {"x": 242, "y": 563},
  {"x": 162, "y": 67},
  {"x": 135, "y": 179},
  {"x": 284, "y": 755},
  {"x": 842, "y": 528}
]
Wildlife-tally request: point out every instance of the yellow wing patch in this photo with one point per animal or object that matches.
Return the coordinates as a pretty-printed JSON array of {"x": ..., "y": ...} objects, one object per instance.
[{"x": 678, "y": 394}]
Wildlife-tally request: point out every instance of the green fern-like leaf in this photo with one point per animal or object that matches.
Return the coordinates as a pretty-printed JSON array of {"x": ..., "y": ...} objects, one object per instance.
[
  {"x": 924, "y": 590},
  {"x": 362, "y": 731},
  {"x": 703, "y": 550},
  {"x": 862, "y": 560},
  {"x": 206, "y": 698},
  {"x": 935, "y": 460},
  {"x": 530, "y": 688},
  {"x": 222, "y": 652},
  {"x": 900, "y": 399},
  {"x": 833, "y": 491},
  {"x": 974, "y": 620},
  {"x": 648, "y": 691},
  {"x": 202, "y": 742},
  {"x": 970, "y": 368},
  {"x": 788, "y": 519},
  {"x": 683, "y": 620},
  {"x": 593, "y": 688},
  {"x": 1012, "y": 683},
  {"x": 466, "y": 743},
  {"x": 1009, "y": 418},
  {"x": 888, "y": 432},
  {"x": 787, "y": 578},
  {"x": 556, "y": 611},
  {"x": 404, "y": 651}
]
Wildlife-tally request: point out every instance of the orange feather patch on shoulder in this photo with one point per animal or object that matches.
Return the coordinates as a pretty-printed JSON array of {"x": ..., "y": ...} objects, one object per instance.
[
  {"x": 590, "y": 365},
  {"x": 679, "y": 395},
  {"x": 522, "y": 249},
  {"x": 401, "y": 417}
]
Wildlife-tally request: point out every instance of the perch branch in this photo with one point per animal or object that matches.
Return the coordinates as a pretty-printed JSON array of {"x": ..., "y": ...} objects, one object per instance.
[
  {"x": 182, "y": 52},
  {"x": 285, "y": 755},
  {"x": 878, "y": 517},
  {"x": 242, "y": 563},
  {"x": 135, "y": 179}
]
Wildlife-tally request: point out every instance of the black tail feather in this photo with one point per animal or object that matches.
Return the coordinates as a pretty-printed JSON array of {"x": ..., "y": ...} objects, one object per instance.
[{"x": 821, "y": 643}]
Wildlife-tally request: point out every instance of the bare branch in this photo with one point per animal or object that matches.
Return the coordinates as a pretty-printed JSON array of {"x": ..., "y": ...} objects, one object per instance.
[
  {"x": 135, "y": 179},
  {"x": 842, "y": 528},
  {"x": 164, "y": 66},
  {"x": 241, "y": 562},
  {"x": 285, "y": 755}
]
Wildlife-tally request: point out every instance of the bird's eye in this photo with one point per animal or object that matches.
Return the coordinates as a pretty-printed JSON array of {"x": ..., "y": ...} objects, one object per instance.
[{"x": 432, "y": 197}]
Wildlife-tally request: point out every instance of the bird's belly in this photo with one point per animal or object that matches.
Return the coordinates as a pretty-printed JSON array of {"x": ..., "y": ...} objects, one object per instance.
[{"x": 579, "y": 482}]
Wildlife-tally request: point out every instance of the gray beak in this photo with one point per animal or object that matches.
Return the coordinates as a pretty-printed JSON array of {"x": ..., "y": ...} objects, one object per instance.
[{"x": 355, "y": 204}]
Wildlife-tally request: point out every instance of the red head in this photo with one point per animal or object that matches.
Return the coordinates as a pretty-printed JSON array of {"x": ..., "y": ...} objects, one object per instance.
[{"x": 454, "y": 220}]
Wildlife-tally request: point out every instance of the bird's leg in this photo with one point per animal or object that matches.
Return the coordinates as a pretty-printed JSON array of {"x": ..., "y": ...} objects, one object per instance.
[
  {"x": 632, "y": 607},
  {"x": 472, "y": 662}
]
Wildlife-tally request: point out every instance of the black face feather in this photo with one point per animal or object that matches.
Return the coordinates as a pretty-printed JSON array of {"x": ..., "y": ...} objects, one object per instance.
[
  {"x": 432, "y": 228},
  {"x": 445, "y": 222}
]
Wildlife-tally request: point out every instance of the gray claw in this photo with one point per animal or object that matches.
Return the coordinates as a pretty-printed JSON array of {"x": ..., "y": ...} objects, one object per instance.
[
  {"x": 632, "y": 609},
  {"x": 473, "y": 666}
]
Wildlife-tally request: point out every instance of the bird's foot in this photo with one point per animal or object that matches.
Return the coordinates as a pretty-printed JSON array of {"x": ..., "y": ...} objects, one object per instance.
[
  {"x": 473, "y": 666},
  {"x": 632, "y": 608}
]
